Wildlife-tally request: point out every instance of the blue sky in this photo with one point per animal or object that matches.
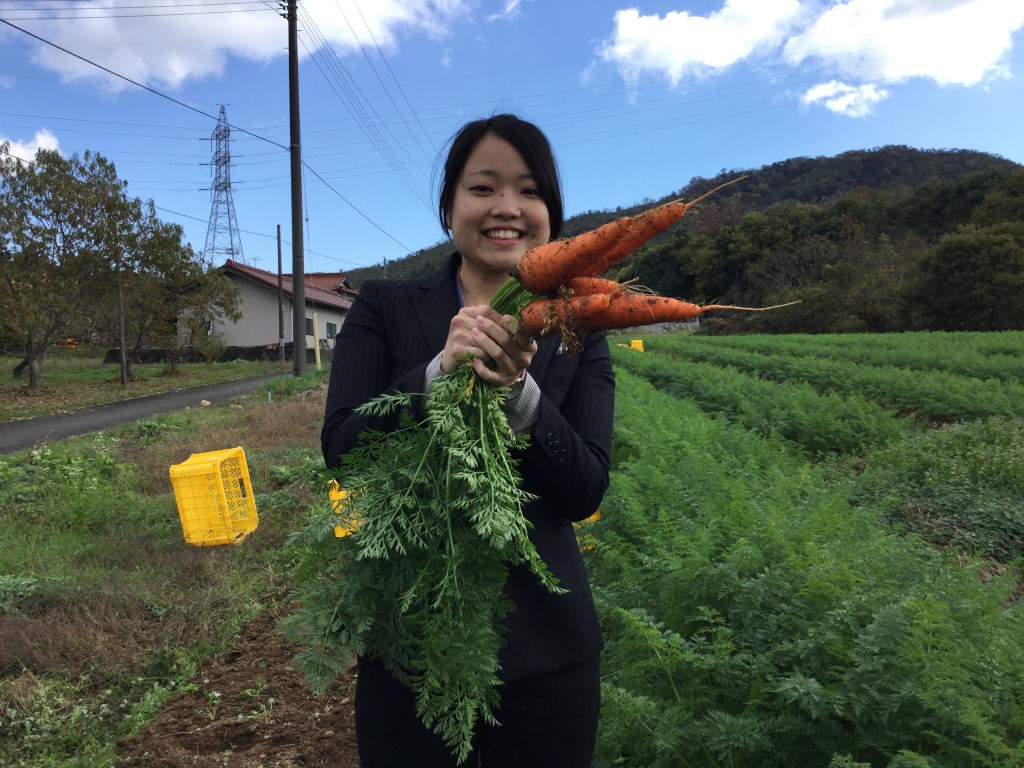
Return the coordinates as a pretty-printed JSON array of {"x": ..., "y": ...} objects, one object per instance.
[{"x": 637, "y": 99}]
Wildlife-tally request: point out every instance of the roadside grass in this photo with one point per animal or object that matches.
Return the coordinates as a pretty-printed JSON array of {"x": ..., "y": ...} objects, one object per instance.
[
  {"x": 77, "y": 379},
  {"x": 104, "y": 610}
]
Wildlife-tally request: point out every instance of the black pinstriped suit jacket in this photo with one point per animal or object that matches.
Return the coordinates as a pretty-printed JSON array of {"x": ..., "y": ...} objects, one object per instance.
[{"x": 393, "y": 330}]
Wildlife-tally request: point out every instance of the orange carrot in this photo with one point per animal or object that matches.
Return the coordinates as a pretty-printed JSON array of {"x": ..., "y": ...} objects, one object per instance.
[
  {"x": 646, "y": 225},
  {"x": 546, "y": 267},
  {"x": 585, "y": 286},
  {"x": 545, "y": 317}
]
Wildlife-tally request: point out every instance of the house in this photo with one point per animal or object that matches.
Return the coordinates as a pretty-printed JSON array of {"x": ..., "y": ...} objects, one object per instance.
[{"x": 328, "y": 299}]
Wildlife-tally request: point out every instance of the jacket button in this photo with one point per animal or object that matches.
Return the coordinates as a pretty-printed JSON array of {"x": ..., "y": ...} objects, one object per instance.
[
  {"x": 562, "y": 454},
  {"x": 549, "y": 438}
]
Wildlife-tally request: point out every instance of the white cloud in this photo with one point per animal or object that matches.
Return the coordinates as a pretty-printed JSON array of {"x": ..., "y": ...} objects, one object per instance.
[
  {"x": 949, "y": 41},
  {"x": 681, "y": 44},
  {"x": 26, "y": 150},
  {"x": 863, "y": 45},
  {"x": 509, "y": 11},
  {"x": 845, "y": 99},
  {"x": 167, "y": 50}
]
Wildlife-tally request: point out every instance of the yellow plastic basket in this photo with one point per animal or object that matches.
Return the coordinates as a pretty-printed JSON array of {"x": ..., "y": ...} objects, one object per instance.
[{"x": 214, "y": 495}]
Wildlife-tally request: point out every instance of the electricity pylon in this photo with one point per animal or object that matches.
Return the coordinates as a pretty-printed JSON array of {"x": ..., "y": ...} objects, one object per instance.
[{"x": 222, "y": 238}]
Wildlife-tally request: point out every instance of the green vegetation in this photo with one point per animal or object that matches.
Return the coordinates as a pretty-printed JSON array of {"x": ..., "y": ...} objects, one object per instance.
[
  {"x": 770, "y": 605},
  {"x": 439, "y": 514},
  {"x": 77, "y": 379},
  {"x": 791, "y": 569}
]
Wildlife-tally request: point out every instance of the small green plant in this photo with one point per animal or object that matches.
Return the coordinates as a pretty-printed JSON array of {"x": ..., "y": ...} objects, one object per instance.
[
  {"x": 151, "y": 431},
  {"x": 213, "y": 699},
  {"x": 47, "y": 471},
  {"x": 23, "y": 594}
]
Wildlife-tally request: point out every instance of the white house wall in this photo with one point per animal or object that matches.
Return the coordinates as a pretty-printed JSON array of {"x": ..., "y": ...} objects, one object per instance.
[{"x": 260, "y": 324}]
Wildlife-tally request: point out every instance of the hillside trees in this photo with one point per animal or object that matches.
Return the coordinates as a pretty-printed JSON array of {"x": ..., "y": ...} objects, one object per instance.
[
  {"x": 946, "y": 256},
  {"x": 78, "y": 255},
  {"x": 974, "y": 279}
]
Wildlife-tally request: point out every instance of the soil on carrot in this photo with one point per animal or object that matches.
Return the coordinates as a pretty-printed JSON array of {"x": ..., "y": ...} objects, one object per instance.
[{"x": 250, "y": 708}]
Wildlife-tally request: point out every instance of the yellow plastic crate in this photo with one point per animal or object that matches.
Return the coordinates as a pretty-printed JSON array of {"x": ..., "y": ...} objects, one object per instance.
[{"x": 214, "y": 495}]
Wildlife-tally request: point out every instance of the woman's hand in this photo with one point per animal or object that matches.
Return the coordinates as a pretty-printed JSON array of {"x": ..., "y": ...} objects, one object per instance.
[{"x": 499, "y": 357}]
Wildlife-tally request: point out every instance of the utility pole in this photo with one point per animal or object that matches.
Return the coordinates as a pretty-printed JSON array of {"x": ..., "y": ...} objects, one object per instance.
[
  {"x": 298, "y": 262},
  {"x": 280, "y": 300}
]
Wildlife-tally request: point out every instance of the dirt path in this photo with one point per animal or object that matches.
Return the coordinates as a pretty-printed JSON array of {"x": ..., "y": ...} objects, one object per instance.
[{"x": 250, "y": 708}]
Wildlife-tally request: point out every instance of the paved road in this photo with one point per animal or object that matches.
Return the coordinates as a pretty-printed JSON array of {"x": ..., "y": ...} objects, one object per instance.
[{"x": 26, "y": 433}]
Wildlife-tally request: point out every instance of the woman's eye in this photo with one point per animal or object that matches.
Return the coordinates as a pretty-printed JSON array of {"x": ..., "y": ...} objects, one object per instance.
[
  {"x": 531, "y": 192},
  {"x": 481, "y": 189}
]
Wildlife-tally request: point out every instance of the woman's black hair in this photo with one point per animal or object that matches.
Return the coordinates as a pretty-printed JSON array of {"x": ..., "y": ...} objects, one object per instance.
[{"x": 528, "y": 140}]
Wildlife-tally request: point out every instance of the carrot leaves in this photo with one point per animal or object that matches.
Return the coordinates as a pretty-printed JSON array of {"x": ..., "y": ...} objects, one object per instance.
[{"x": 437, "y": 513}]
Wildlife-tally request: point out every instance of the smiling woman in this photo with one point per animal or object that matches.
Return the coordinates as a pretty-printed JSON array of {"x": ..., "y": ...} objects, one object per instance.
[
  {"x": 496, "y": 216},
  {"x": 512, "y": 637}
]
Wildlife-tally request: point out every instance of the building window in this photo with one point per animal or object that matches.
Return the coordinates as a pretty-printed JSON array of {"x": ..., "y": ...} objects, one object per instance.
[
  {"x": 309, "y": 326},
  {"x": 332, "y": 331}
]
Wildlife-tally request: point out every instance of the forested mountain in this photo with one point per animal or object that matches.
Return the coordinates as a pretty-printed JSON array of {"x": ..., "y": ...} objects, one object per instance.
[{"x": 875, "y": 240}]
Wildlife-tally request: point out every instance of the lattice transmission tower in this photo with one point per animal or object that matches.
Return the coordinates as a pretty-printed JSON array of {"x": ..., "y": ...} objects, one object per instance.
[{"x": 222, "y": 238}]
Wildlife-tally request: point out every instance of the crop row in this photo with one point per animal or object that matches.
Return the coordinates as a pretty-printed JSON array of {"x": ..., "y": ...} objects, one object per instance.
[
  {"x": 977, "y": 355},
  {"x": 930, "y": 394},
  {"x": 817, "y": 424}
]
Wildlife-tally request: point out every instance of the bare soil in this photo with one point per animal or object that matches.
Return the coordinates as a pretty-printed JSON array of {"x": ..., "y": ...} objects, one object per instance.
[{"x": 250, "y": 708}]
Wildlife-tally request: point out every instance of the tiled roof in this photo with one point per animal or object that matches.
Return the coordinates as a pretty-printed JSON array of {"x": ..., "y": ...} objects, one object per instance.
[
  {"x": 316, "y": 285},
  {"x": 330, "y": 281}
]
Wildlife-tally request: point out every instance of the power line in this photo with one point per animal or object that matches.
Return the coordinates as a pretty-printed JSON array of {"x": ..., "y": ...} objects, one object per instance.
[
  {"x": 102, "y": 11},
  {"x": 205, "y": 114},
  {"x": 135, "y": 82},
  {"x": 260, "y": 234},
  {"x": 380, "y": 80},
  {"x": 360, "y": 108}
]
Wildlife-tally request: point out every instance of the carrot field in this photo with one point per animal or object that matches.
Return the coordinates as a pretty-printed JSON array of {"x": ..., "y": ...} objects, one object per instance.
[
  {"x": 808, "y": 558},
  {"x": 807, "y": 554}
]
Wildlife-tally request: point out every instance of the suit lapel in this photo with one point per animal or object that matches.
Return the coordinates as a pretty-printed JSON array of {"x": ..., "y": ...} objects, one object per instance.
[{"x": 435, "y": 303}]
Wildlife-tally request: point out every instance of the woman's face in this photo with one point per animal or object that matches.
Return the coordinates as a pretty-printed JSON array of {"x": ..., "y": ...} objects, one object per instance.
[{"x": 497, "y": 212}]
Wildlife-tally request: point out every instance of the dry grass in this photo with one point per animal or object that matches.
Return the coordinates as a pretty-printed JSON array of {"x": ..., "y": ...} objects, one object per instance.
[{"x": 292, "y": 422}]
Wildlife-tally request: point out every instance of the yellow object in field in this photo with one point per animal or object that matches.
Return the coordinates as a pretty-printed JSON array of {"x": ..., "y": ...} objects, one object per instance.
[
  {"x": 637, "y": 344},
  {"x": 214, "y": 496},
  {"x": 583, "y": 539},
  {"x": 337, "y": 495}
]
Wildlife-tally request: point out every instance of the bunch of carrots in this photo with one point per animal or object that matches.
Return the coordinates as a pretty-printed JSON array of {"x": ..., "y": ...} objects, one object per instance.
[{"x": 556, "y": 287}]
